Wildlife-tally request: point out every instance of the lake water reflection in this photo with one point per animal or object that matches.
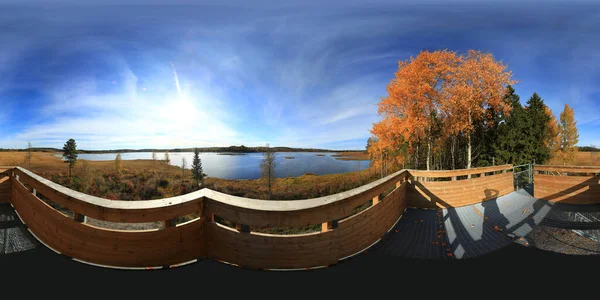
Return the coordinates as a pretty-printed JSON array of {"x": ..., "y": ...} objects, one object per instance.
[{"x": 247, "y": 166}]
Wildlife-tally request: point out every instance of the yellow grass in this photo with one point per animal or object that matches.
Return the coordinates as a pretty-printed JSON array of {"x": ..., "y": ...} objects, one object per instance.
[
  {"x": 581, "y": 159},
  {"x": 47, "y": 162},
  {"x": 147, "y": 179},
  {"x": 357, "y": 155},
  {"x": 306, "y": 186}
]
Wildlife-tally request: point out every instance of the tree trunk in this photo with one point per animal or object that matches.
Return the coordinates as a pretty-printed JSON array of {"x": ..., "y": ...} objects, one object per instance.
[
  {"x": 269, "y": 184},
  {"x": 469, "y": 152},
  {"x": 453, "y": 142},
  {"x": 428, "y": 152},
  {"x": 469, "y": 149},
  {"x": 417, "y": 158}
]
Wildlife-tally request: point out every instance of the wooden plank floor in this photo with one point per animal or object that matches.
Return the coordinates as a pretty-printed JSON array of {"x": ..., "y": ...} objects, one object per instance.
[
  {"x": 465, "y": 232},
  {"x": 14, "y": 236}
]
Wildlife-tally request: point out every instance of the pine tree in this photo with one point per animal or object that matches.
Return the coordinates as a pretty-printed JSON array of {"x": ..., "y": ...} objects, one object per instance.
[
  {"x": 537, "y": 147},
  {"x": 70, "y": 153},
  {"x": 513, "y": 135},
  {"x": 568, "y": 135},
  {"x": 197, "y": 168}
]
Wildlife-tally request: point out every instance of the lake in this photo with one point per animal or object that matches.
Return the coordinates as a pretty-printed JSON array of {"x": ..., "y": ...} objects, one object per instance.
[{"x": 247, "y": 165}]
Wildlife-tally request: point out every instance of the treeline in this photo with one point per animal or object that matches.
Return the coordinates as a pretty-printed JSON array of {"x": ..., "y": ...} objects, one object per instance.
[
  {"x": 451, "y": 111},
  {"x": 35, "y": 149},
  {"x": 231, "y": 149},
  {"x": 588, "y": 149}
]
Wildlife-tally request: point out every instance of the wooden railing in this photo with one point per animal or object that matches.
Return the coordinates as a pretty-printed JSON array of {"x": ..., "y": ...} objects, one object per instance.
[
  {"x": 5, "y": 184},
  {"x": 433, "y": 189},
  {"x": 343, "y": 233},
  {"x": 567, "y": 184}
]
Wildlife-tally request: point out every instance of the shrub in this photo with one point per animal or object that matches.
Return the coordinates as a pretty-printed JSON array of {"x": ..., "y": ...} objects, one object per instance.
[{"x": 163, "y": 183}]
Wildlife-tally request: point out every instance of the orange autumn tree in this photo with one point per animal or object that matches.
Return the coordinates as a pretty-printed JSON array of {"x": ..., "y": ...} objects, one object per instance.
[
  {"x": 412, "y": 107},
  {"x": 567, "y": 135},
  {"x": 477, "y": 84},
  {"x": 553, "y": 142},
  {"x": 386, "y": 150}
]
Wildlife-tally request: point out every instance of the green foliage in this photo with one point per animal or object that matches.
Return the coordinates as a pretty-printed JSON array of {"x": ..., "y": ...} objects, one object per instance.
[
  {"x": 70, "y": 153},
  {"x": 519, "y": 137},
  {"x": 538, "y": 132},
  {"x": 512, "y": 140},
  {"x": 163, "y": 183},
  {"x": 197, "y": 168},
  {"x": 588, "y": 149}
]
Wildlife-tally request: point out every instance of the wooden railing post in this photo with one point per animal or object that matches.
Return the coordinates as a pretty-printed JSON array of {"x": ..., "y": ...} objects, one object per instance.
[
  {"x": 242, "y": 227},
  {"x": 169, "y": 223},
  {"x": 376, "y": 200},
  {"x": 79, "y": 218},
  {"x": 326, "y": 226}
]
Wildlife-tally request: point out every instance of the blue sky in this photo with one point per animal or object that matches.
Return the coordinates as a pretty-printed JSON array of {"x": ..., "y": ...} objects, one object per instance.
[{"x": 306, "y": 74}]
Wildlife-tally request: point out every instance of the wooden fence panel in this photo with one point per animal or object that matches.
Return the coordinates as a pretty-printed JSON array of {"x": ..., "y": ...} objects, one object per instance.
[
  {"x": 431, "y": 194},
  {"x": 567, "y": 189},
  {"x": 149, "y": 248},
  {"x": 256, "y": 250}
]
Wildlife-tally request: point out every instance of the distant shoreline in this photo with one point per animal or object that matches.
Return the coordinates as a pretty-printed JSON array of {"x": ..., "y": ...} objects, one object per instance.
[{"x": 231, "y": 149}]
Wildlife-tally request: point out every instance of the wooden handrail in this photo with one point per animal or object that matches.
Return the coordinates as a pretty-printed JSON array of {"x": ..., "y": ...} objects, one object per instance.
[
  {"x": 567, "y": 169},
  {"x": 458, "y": 172},
  {"x": 343, "y": 232},
  {"x": 241, "y": 208}
]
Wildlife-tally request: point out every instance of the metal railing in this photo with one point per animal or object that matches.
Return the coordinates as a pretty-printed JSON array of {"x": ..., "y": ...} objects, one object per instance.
[{"x": 524, "y": 175}]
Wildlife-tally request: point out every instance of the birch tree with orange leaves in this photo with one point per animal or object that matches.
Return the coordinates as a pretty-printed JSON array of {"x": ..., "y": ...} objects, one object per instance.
[
  {"x": 478, "y": 82},
  {"x": 439, "y": 98},
  {"x": 413, "y": 103}
]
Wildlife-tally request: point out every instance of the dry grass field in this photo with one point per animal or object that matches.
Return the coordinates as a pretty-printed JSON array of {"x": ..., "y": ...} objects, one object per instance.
[
  {"x": 145, "y": 179},
  {"x": 581, "y": 159},
  {"x": 358, "y": 155}
]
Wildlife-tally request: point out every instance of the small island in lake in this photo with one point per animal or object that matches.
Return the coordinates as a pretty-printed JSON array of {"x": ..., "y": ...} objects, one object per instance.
[{"x": 288, "y": 157}]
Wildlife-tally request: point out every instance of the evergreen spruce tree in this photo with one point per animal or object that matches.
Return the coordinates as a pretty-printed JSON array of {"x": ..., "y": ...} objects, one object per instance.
[
  {"x": 197, "y": 168},
  {"x": 70, "y": 154},
  {"x": 513, "y": 134},
  {"x": 538, "y": 133}
]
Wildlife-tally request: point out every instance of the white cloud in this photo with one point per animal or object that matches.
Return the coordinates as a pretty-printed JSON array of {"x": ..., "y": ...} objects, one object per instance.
[{"x": 132, "y": 117}]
